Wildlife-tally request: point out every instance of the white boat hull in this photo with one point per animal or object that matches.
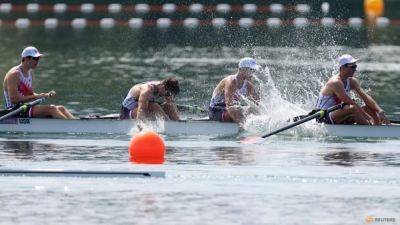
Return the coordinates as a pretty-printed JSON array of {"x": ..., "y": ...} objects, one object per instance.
[
  {"x": 189, "y": 127},
  {"x": 114, "y": 126},
  {"x": 383, "y": 131}
]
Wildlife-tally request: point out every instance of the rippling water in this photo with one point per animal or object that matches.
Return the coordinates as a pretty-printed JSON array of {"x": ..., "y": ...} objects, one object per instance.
[{"x": 209, "y": 180}]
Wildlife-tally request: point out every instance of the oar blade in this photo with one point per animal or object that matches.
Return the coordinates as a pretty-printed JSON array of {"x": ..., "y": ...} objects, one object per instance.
[{"x": 252, "y": 140}]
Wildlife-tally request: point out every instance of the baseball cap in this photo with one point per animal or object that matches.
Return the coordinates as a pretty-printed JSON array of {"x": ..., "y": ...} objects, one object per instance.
[
  {"x": 248, "y": 62},
  {"x": 30, "y": 51},
  {"x": 345, "y": 59}
]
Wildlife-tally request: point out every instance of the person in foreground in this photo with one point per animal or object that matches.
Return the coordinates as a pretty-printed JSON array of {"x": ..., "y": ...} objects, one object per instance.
[
  {"x": 225, "y": 102},
  {"x": 150, "y": 100},
  {"x": 338, "y": 89},
  {"x": 18, "y": 88}
]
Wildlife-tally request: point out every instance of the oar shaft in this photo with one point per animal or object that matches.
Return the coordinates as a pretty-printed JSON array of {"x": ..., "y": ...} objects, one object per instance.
[
  {"x": 319, "y": 113},
  {"x": 395, "y": 121},
  {"x": 308, "y": 118},
  {"x": 22, "y": 108},
  {"x": 190, "y": 108}
]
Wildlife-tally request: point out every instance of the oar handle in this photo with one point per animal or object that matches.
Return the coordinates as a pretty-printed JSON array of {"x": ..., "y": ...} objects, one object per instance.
[{"x": 52, "y": 93}]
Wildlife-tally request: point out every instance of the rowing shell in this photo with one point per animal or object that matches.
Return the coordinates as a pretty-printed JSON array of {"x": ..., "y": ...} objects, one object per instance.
[
  {"x": 116, "y": 126},
  {"x": 184, "y": 127},
  {"x": 351, "y": 131},
  {"x": 378, "y": 131},
  {"x": 82, "y": 173}
]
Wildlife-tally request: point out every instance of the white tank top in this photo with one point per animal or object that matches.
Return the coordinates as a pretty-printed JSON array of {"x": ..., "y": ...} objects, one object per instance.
[
  {"x": 25, "y": 87},
  {"x": 327, "y": 101}
]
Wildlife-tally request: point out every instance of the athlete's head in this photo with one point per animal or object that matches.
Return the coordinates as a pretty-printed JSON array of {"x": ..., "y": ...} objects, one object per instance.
[
  {"x": 171, "y": 85},
  {"x": 30, "y": 56},
  {"x": 347, "y": 65},
  {"x": 248, "y": 66}
]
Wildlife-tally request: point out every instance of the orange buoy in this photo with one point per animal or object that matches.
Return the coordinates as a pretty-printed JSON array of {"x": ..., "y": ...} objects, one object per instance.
[
  {"x": 147, "y": 147},
  {"x": 373, "y": 9}
]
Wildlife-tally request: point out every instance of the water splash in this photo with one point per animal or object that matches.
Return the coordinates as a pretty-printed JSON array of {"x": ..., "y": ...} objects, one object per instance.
[
  {"x": 156, "y": 125},
  {"x": 274, "y": 110}
]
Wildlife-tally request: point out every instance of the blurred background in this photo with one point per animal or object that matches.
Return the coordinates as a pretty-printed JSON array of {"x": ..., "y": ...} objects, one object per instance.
[{"x": 96, "y": 50}]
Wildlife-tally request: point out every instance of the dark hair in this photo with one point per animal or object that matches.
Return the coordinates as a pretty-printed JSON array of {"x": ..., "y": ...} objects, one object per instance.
[{"x": 171, "y": 85}]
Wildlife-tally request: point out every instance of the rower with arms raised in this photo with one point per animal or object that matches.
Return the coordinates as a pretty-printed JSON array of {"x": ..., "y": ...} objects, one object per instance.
[
  {"x": 337, "y": 90},
  {"x": 225, "y": 102},
  {"x": 18, "y": 88},
  {"x": 151, "y": 99}
]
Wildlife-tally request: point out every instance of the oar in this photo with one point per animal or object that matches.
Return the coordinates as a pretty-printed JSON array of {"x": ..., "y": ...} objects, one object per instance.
[
  {"x": 191, "y": 108},
  {"x": 23, "y": 108},
  {"x": 321, "y": 113},
  {"x": 395, "y": 121}
]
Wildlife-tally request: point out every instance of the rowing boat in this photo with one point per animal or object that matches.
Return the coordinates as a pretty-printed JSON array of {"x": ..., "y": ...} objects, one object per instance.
[
  {"x": 116, "y": 126},
  {"x": 107, "y": 125},
  {"x": 378, "y": 131},
  {"x": 80, "y": 173}
]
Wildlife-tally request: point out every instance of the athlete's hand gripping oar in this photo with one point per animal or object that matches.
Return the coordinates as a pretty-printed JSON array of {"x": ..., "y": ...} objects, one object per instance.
[
  {"x": 321, "y": 113},
  {"x": 52, "y": 93},
  {"x": 23, "y": 108}
]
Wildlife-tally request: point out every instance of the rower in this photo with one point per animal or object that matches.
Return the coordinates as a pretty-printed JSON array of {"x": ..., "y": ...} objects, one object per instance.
[
  {"x": 225, "y": 102},
  {"x": 338, "y": 89},
  {"x": 150, "y": 100},
  {"x": 18, "y": 88}
]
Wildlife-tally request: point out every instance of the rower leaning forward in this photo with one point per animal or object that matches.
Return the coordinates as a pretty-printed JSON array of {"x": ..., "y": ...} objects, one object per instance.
[
  {"x": 225, "y": 104},
  {"x": 151, "y": 100},
  {"x": 18, "y": 89},
  {"x": 338, "y": 89}
]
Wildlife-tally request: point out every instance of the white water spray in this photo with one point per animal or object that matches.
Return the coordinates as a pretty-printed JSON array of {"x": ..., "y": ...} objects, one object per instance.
[{"x": 274, "y": 110}]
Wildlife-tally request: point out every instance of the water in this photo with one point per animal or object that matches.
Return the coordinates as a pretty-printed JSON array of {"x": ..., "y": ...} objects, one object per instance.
[{"x": 209, "y": 180}]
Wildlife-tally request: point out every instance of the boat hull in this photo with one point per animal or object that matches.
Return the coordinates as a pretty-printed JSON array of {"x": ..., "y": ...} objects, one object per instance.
[
  {"x": 185, "y": 127},
  {"x": 382, "y": 131},
  {"x": 115, "y": 126}
]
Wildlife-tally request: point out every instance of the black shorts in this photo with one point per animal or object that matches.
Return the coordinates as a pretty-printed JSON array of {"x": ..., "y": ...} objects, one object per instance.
[
  {"x": 218, "y": 114},
  {"x": 125, "y": 114}
]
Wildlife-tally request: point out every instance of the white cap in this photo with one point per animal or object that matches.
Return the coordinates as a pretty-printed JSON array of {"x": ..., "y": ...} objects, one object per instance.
[
  {"x": 345, "y": 59},
  {"x": 30, "y": 51},
  {"x": 248, "y": 62}
]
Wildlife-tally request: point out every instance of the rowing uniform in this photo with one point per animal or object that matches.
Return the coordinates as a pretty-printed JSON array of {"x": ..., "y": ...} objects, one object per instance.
[
  {"x": 217, "y": 109},
  {"x": 131, "y": 102},
  {"x": 326, "y": 101},
  {"x": 25, "y": 88}
]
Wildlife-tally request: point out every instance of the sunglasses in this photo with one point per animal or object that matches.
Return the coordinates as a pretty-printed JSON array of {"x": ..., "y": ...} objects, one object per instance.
[
  {"x": 352, "y": 66},
  {"x": 34, "y": 58}
]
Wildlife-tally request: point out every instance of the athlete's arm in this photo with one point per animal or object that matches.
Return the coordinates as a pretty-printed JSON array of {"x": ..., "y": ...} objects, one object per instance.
[
  {"x": 143, "y": 104},
  {"x": 254, "y": 94},
  {"x": 231, "y": 107},
  {"x": 229, "y": 92},
  {"x": 369, "y": 101},
  {"x": 338, "y": 89}
]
